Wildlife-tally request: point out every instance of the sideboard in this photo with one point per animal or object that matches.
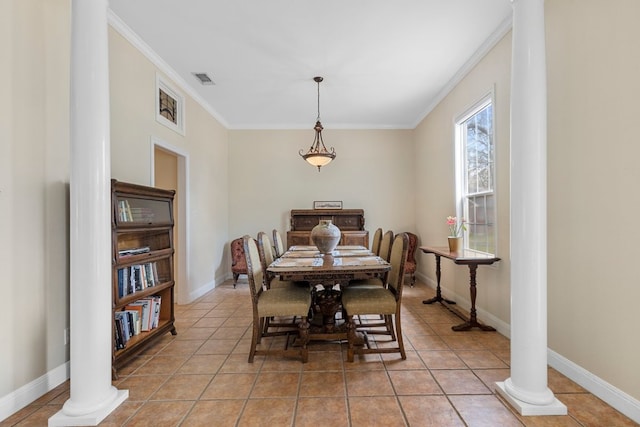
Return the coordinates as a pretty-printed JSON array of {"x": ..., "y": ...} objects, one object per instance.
[{"x": 349, "y": 221}]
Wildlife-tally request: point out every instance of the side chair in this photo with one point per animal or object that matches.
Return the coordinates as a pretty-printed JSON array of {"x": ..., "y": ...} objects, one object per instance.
[
  {"x": 288, "y": 302},
  {"x": 265, "y": 250},
  {"x": 238, "y": 263},
  {"x": 375, "y": 243},
  {"x": 278, "y": 245},
  {"x": 385, "y": 301},
  {"x": 410, "y": 265}
]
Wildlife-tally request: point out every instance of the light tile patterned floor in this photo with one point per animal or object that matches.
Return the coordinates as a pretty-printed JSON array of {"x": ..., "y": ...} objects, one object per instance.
[{"x": 201, "y": 378}]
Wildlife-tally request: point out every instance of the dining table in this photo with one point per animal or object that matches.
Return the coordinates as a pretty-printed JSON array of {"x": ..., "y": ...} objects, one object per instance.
[{"x": 327, "y": 275}]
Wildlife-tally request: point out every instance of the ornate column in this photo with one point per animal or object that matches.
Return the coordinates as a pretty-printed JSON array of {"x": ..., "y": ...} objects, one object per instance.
[
  {"x": 92, "y": 395},
  {"x": 527, "y": 389}
]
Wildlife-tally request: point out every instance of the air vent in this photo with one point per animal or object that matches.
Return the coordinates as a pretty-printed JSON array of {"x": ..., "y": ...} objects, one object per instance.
[{"x": 204, "y": 78}]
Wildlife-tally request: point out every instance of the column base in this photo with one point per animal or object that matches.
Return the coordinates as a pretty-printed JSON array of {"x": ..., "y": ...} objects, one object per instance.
[
  {"x": 92, "y": 418},
  {"x": 554, "y": 408}
]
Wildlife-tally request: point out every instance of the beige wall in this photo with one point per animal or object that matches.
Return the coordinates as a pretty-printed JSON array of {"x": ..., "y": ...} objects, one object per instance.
[
  {"x": 133, "y": 123},
  {"x": 34, "y": 159},
  {"x": 268, "y": 178},
  {"x": 435, "y": 192},
  {"x": 593, "y": 150}
]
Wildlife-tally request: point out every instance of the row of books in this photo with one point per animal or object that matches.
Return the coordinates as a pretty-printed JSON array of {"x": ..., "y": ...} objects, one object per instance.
[
  {"x": 135, "y": 318},
  {"x": 126, "y": 213},
  {"x": 136, "y": 278}
]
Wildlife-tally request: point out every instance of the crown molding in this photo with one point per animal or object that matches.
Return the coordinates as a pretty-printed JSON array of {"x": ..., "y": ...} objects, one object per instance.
[
  {"x": 481, "y": 52},
  {"x": 133, "y": 38}
]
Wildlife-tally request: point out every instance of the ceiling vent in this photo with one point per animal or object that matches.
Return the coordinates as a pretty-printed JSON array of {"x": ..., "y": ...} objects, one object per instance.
[{"x": 204, "y": 78}]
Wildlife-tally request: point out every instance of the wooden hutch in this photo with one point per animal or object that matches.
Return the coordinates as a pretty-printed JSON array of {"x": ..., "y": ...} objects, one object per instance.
[{"x": 349, "y": 221}]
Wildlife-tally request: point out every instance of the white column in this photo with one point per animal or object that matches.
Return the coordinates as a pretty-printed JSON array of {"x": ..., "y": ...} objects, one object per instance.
[
  {"x": 92, "y": 395},
  {"x": 527, "y": 389}
]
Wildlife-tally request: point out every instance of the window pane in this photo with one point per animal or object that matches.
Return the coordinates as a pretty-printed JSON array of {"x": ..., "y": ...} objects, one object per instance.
[
  {"x": 480, "y": 225},
  {"x": 479, "y": 155}
]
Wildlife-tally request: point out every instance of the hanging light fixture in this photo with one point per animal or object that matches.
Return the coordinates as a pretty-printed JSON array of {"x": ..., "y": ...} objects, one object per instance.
[{"x": 318, "y": 155}]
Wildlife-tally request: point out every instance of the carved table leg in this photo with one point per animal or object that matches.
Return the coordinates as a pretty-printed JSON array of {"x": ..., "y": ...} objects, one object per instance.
[
  {"x": 438, "y": 297},
  {"x": 473, "y": 321}
]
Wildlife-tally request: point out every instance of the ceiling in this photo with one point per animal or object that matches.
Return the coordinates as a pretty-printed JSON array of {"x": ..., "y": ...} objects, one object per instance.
[{"x": 385, "y": 63}]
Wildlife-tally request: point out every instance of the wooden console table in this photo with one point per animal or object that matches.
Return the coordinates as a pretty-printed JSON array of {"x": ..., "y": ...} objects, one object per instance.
[{"x": 465, "y": 257}]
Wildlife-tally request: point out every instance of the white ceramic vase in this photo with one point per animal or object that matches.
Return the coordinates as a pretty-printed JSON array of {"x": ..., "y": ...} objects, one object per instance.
[{"x": 325, "y": 236}]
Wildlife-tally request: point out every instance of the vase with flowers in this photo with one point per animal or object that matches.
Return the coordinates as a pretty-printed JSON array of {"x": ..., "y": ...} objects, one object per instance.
[{"x": 456, "y": 227}]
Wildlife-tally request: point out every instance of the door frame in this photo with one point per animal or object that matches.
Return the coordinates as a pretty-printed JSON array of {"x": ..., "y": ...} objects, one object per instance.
[{"x": 182, "y": 238}]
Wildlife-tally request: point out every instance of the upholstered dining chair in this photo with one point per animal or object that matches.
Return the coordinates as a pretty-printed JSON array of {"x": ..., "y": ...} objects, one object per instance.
[
  {"x": 375, "y": 243},
  {"x": 238, "y": 263},
  {"x": 266, "y": 257},
  {"x": 281, "y": 303},
  {"x": 385, "y": 301},
  {"x": 410, "y": 264},
  {"x": 278, "y": 244},
  {"x": 384, "y": 251}
]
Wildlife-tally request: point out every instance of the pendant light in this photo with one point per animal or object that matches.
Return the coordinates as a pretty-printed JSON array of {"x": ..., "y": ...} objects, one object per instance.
[{"x": 318, "y": 155}]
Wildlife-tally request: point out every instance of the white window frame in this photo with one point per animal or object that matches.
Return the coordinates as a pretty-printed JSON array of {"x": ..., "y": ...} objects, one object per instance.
[
  {"x": 461, "y": 172},
  {"x": 166, "y": 87}
]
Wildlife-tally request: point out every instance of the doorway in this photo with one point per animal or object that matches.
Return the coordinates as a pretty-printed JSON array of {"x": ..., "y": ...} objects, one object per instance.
[{"x": 169, "y": 171}]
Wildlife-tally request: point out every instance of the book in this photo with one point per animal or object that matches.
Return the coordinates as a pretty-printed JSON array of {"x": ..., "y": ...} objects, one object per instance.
[
  {"x": 137, "y": 309},
  {"x": 134, "y": 251},
  {"x": 156, "y": 311},
  {"x": 145, "y": 309}
]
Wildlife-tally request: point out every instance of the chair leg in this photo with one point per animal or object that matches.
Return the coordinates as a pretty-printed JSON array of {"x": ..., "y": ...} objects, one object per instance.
[
  {"x": 388, "y": 320},
  {"x": 303, "y": 331},
  {"x": 399, "y": 335},
  {"x": 255, "y": 338},
  {"x": 351, "y": 338},
  {"x": 235, "y": 279}
]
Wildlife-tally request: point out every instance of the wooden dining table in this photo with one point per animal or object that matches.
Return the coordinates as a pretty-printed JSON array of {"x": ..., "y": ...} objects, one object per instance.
[{"x": 327, "y": 274}]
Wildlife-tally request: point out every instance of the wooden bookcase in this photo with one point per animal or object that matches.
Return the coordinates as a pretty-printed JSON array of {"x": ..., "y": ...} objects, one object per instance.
[
  {"x": 142, "y": 265},
  {"x": 349, "y": 221}
]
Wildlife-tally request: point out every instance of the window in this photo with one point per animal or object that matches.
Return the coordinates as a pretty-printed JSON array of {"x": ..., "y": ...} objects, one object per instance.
[
  {"x": 169, "y": 106},
  {"x": 475, "y": 176}
]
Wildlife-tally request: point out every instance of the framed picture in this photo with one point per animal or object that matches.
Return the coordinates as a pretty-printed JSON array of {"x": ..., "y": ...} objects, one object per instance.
[
  {"x": 169, "y": 106},
  {"x": 327, "y": 205}
]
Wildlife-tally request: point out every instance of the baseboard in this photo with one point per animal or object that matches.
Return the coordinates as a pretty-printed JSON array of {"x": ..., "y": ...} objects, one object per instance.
[
  {"x": 29, "y": 393},
  {"x": 197, "y": 293},
  {"x": 614, "y": 397},
  {"x": 463, "y": 305}
]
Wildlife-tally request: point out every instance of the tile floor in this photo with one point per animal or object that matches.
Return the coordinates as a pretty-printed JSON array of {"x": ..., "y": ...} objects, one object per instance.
[{"x": 201, "y": 378}]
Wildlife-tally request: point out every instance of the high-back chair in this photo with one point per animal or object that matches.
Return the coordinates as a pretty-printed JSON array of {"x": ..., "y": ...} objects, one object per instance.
[
  {"x": 278, "y": 245},
  {"x": 375, "y": 243},
  {"x": 265, "y": 250},
  {"x": 385, "y": 301},
  {"x": 383, "y": 252},
  {"x": 385, "y": 245},
  {"x": 410, "y": 264},
  {"x": 238, "y": 263},
  {"x": 288, "y": 302}
]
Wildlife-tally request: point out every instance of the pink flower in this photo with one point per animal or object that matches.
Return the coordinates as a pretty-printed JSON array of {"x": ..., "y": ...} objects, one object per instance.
[{"x": 455, "y": 228}]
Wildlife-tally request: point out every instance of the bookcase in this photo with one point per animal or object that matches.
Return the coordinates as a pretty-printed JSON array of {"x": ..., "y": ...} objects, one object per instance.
[{"x": 142, "y": 268}]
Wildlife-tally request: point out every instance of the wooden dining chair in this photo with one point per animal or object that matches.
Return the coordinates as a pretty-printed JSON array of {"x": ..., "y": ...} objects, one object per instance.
[
  {"x": 278, "y": 244},
  {"x": 375, "y": 243},
  {"x": 280, "y": 303},
  {"x": 385, "y": 301},
  {"x": 266, "y": 257},
  {"x": 384, "y": 251}
]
